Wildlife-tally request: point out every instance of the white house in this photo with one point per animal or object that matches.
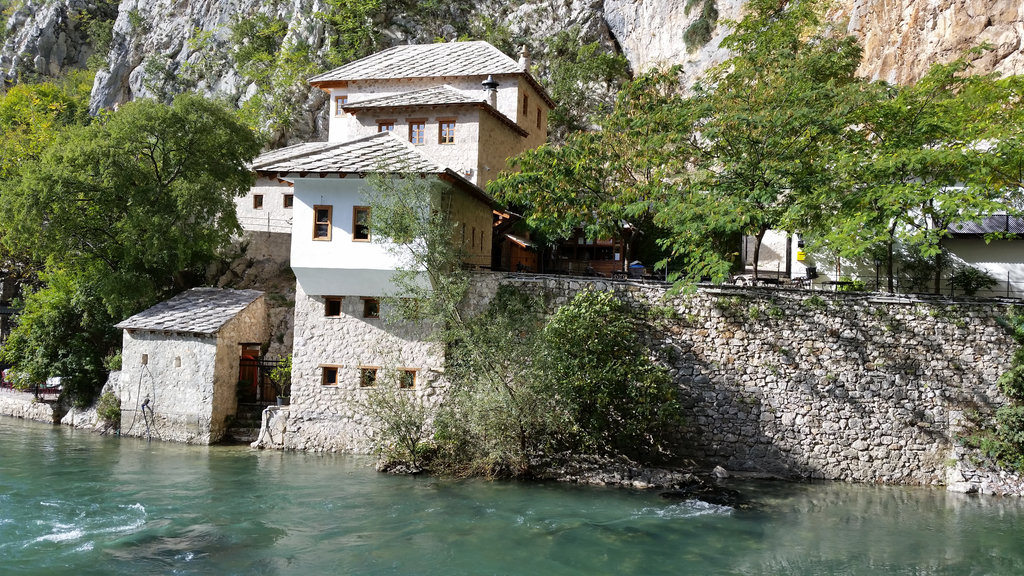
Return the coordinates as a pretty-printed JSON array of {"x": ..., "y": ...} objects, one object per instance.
[{"x": 452, "y": 112}]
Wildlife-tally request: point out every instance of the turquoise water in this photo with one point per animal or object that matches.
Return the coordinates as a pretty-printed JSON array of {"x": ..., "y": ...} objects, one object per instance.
[{"x": 76, "y": 503}]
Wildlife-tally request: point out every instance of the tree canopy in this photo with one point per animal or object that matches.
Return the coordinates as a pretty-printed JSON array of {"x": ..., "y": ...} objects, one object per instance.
[{"x": 122, "y": 212}]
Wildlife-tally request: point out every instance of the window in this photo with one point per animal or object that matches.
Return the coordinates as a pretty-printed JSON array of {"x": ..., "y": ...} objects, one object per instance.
[
  {"x": 407, "y": 378},
  {"x": 332, "y": 306},
  {"x": 289, "y": 199},
  {"x": 371, "y": 308},
  {"x": 257, "y": 201},
  {"x": 367, "y": 376},
  {"x": 417, "y": 131},
  {"x": 526, "y": 105},
  {"x": 329, "y": 375},
  {"x": 322, "y": 222},
  {"x": 472, "y": 238},
  {"x": 446, "y": 134},
  {"x": 339, "y": 105},
  {"x": 385, "y": 126},
  {"x": 361, "y": 223},
  {"x": 481, "y": 239},
  {"x": 538, "y": 118}
]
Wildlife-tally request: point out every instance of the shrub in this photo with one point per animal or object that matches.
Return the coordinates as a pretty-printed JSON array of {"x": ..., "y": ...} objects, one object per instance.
[
  {"x": 969, "y": 280},
  {"x": 109, "y": 409}
]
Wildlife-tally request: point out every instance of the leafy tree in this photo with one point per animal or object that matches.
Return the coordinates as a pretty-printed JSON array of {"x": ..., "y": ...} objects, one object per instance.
[
  {"x": 769, "y": 118},
  {"x": 122, "y": 212},
  {"x": 612, "y": 181}
]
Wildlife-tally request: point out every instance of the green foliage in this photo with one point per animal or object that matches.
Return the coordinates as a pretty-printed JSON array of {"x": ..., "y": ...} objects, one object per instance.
[
  {"x": 582, "y": 79},
  {"x": 969, "y": 279},
  {"x": 31, "y": 116},
  {"x": 121, "y": 212},
  {"x": 109, "y": 409},
  {"x": 698, "y": 33},
  {"x": 614, "y": 397},
  {"x": 281, "y": 377},
  {"x": 1005, "y": 443},
  {"x": 401, "y": 420}
]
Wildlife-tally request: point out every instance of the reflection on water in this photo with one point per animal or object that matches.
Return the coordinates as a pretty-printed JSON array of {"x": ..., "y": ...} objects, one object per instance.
[{"x": 76, "y": 503}]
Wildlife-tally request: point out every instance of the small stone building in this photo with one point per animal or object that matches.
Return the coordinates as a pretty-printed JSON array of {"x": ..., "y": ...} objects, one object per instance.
[{"x": 180, "y": 367}]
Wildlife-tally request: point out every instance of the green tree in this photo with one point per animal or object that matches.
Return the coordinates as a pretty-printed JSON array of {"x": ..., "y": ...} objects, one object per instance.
[
  {"x": 770, "y": 118},
  {"x": 124, "y": 211},
  {"x": 609, "y": 182}
]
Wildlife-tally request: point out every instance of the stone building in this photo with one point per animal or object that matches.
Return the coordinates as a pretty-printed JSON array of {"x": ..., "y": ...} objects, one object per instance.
[
  {"x": 450, "y": 112},
  {"x": 180, "y": 367}
]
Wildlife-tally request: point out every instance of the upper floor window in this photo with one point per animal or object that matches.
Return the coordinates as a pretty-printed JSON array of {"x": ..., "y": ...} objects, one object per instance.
[
  {"x": 361, "y": 223},
  {"x": 388, "y": 126},
  {"x": 257, "y": 201},
  {"x": 339, "y": 105},
  {"x": 526, "y": 105},
  {"x": 322, "y": 222},
  {"x": 446, "y": 132},
  {"x": 289, "y": 199},
  {"x": 538, "y": 118},
  {"x": 417, "y": 131}
]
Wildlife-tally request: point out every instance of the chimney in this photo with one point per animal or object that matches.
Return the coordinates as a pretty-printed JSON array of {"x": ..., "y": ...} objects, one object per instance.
[
  {"x": 491, "y": 88},
  {"x": 524, "y": 58}
]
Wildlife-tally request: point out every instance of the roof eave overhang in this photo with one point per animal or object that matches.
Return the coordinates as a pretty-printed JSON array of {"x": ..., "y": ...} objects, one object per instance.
[{"x": 355, "y": 108}]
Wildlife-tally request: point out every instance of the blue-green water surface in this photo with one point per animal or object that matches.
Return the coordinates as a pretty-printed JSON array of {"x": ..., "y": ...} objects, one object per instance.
[{"x": 73, "y": 502}]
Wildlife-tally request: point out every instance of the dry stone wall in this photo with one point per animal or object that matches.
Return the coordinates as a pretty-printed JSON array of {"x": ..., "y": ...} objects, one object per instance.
[{"x": 812, "y": 384}]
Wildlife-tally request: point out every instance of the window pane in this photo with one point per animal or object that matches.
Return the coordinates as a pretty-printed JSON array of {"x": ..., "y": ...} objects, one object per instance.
[
  {"x": 361, "y": 223},
  {"x": 447, "y": 132},
  {"x": 385, "y": 126},
  {"x": 417, "y": 130}
]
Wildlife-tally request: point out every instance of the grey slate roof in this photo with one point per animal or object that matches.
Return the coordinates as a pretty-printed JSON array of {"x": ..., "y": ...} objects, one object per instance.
[
  {"x": 432, "y": 96},
  {"x": 377, "y": 153},
  {"x": 995, "y": 223},
  {"x": 476, "y": 58},
  {"x": 196, "y": 311}
]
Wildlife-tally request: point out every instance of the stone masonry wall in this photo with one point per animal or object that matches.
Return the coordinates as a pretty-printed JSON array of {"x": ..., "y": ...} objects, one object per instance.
[
  {"x": 24, "y": 405},
  {"x": 855, "y": 387},
  {"x": 328, "y": 418}
]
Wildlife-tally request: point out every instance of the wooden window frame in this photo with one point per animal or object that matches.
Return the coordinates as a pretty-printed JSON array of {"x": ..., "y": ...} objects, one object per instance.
[
  {"x": 330, "y": 221},
  {"x": 333, "y": 300},
  {"x": 356, "y": 225},
  {"x": 382, "y": 123},
  {"x": 402, "y": 373},
  {"x": 287, "y": 200},
  {"x": 339, "y": 102},
  {"x": 422, "y": 124},
  {"x": 326, "y": 369},
  {"x": 368, "y": 307},
  {"x": 364, "y": 371},
  {"x": 257, "y": 201},
  {"x": 442, "y": 137}
]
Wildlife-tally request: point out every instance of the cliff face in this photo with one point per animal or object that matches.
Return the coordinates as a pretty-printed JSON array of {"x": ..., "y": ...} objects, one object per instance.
[{"x": 161, "y": 47}]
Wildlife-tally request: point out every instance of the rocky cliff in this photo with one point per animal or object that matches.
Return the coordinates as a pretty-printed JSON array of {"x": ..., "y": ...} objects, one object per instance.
[{"x": 160, "y": 47}]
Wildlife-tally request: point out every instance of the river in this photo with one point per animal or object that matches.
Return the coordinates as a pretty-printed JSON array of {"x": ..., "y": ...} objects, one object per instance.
[{"x": 73, "y": 502}]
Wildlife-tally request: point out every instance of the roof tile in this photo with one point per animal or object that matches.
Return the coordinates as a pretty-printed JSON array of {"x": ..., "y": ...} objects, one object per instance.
[
  {"x": 196, "y": 311},
  {"x": 476, "y": 58}
]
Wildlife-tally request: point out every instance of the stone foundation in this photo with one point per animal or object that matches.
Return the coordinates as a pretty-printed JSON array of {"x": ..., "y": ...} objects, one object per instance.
[{"x": 24, "y": 405}]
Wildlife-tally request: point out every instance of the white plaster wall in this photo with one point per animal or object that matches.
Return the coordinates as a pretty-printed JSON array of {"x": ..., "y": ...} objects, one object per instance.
[
  {"x": 273, "y": 217},
  {"x": 328, "y": 418},
  {"x": 181, "y": 396},
  {"x": 1002, "y": 259}
]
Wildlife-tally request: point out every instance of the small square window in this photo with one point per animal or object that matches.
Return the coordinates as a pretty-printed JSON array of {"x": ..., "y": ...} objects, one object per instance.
[
  {"x": 322, "y": 222},
  {"x": 417, "y": 132},
  {"x": 371, "y": 308},
  {"x": 339, "y": 105},
  {"x": 367, "y": 377},
  {"x": 407, "y": 378},
  {"x": 257, "y": 201},
  {"x": 332, "y": 306},
  {"x": 385, "y": 126},
  {"x": 361, "y": 223},
  {"x": 289, "y": 199},
  {"x": 329, "y": 376},
  {"x": 446, "y": 133}
]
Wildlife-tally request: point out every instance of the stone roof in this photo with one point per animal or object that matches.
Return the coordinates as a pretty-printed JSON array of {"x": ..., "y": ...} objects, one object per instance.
[
  {"x": 381, "y": 152},
  {"x": 476, "y": 58},
  {"x": 991, "y": 224},
  {"x": 433, "y": 96},
  {"x": 196, "y": 311}
]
